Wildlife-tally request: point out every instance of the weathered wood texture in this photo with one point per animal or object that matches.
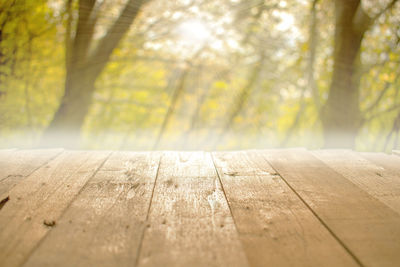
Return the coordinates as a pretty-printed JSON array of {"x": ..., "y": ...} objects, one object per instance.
[
  {"x": 189, "y": 221},
  {"x": 16, "y": 165},
  {"x": 246, "y": 208},
  {"x": 272, "y": 221},
  {"x": 379, "y": 182},
  {"x": 367, "y": 228},
  {"x": 391, "y": 163},
  {"x": 107, "y": 218},
  {"x": 37, "y": 202}
]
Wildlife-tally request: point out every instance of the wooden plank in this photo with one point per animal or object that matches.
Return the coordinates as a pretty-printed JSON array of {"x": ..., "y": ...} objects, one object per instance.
[
  {"x": 189, "y": 221},
  {"x": 23, "y": 162},
  {"x": 366, "y": 227},
  {"x": 17, "y": 165},
  {"x": 390, "y": 163},
  {"x": 375, "y": 180},
  {"x": 274, "y": 225},
  {"x": 104, "y": 225},
  {"x": 39, "y": 200}
]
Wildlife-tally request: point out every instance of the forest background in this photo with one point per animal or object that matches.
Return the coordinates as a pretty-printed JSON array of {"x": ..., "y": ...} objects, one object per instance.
[{"x": 200, "y": 74}]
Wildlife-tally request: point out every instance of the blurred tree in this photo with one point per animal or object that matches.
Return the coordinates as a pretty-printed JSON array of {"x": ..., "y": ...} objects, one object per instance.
[
  {"x": 252, "y": 11},
  {"x": 270, "y": 75},
  {"x": 84, "y": 66},
  {"x": 27, "y": 37},
  {"x": 341, "y": 116},
  {"x": 309, "y": 73}
]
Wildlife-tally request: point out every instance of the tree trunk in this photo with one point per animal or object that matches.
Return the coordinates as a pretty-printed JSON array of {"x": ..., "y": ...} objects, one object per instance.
[
  {"x": 69, "y": 118},
  {"x": 341, "y": 113},
  {"x": 83, "y": 68},
  {"x": 341, "y": 118}
]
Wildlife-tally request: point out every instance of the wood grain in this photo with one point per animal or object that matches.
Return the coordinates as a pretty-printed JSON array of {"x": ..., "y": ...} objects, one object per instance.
[
  {"x": 107, "y": 218},
  {"x": 365, "y": 226},
  {"x": 189, "y": 220},
  {"x": 391, "y": 163},
  {"x": 275, "y": 226},
  {"x": 273, "y": 208},
  {"x": 39, "y": 200},
  {"x": 16, "y": 165},
  {"x": 377, "y": 181}
]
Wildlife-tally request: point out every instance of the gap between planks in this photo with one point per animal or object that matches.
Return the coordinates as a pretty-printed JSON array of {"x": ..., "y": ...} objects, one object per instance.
[
  {"x": 17, "y": 165},
  {"x": 181, "y": 231},
  {"x": 147, "y": 213},
  {"x": 355, "y": 258},
  {"x": 225, "y": 196},
  {"x": 259, "y": 201},
  {"x": 367, "y": 227},
  {"x": 381, "y": 183},
  {"x": 42, "y": 196},
  {"x": 216, "y": 245}
]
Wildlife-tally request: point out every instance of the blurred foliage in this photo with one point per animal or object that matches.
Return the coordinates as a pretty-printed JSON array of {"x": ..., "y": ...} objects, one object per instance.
[{"x": 230, "y": 43}]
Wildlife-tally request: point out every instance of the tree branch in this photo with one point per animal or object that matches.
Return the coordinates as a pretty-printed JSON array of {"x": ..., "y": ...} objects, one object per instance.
[
  {"x": 84, "y": 32},
  {"x": 388, "y": 7},
  {"x": 310, "y": 75},
  {"x": 179, "y": 90},
  {"x": 395, "y": 129},
  {"x": 68, "y": 38},
  {"x": 381, "y": 95},
  {"x": 312, "y": 53},
  {"x": 114, "y": 35},
  {"x": 378, "y": 99},
  {"x": 362, "y": 21},
  {"x": 241, "y": 99},
  {"x": 380, "y": 113}
]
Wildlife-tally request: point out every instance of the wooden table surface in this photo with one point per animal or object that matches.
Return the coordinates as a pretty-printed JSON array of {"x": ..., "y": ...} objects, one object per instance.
[{"x": 247, "y": 208}]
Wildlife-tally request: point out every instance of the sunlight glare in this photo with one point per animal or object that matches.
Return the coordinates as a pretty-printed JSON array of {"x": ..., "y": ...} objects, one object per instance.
[
  {"x": 287, "y": 20},
  {"x": 194, "y": 31}
]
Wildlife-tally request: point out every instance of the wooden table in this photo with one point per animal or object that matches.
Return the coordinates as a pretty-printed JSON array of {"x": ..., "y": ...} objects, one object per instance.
[{"x": 246, "y": 208}]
